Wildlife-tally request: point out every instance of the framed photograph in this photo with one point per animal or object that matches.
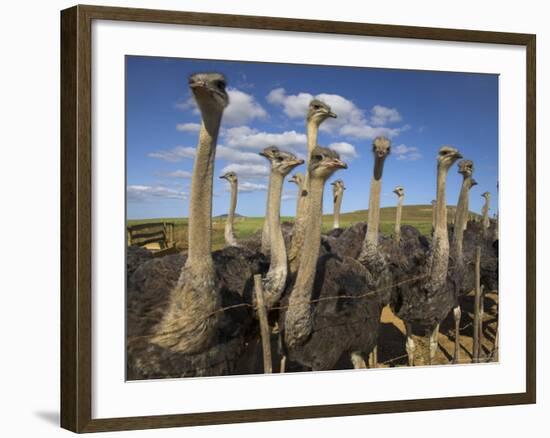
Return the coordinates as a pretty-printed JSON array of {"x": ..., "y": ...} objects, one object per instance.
[{"x": 268, "y": 218}]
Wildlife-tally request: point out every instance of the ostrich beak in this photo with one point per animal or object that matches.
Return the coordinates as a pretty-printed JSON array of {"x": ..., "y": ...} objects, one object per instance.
[
  {"x": 263, "y": 154},
  {"x": 196, "y": 84},
  {"x": 458, "y": 155},
  {"x": 338, "y": 164},
  {"x": 299, "y": 162},
  {"x": 223, "y": 177},
  {"x": 332, "y": 115}
]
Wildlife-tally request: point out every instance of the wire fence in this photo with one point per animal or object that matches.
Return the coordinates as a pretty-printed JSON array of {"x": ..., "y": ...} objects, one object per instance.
[{"x": 370, "y": 293}]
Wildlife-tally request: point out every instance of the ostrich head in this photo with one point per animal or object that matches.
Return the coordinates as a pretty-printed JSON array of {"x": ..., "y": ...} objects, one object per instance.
[
  {"x": 471, "y": 182},
  {"x": 209, "y": 91},
  {"x": 447, "y": 156},
  {"x": 466, "y": 168},
  {"x": 281, "y": 162},
  {"x": 486, "y": 195},
  {"x": 324, "y": 162},
  {"x": 270, "y": 152},
  {"x": 338, "y": 185},
  {"x": 297, "y": 178},
  {"x": 319, "y": 111},
  {"x": 399, "y": 191},
  {"x": 381, "y": 147},
  {"x": 230, "y": 176}
]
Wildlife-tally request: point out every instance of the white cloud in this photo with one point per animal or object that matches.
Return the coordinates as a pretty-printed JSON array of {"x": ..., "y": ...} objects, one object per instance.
[
  {"x": 242, "y": 108},
  {"x": 179, "y": 174},
  {"x": 346, "y": 150},
  {"x": 248, "y": 138},
  {"x": 144, "y": 193},
  {"x": 188, "y": 127},
  {"x": 247, "y": 186},
  {"x": 288, "y": 196},
  {"x": 381, "y": 115},
  {"x": 352, "y": 121},
  {"x": 187, "y": 104},
  {"x": 175, "y": 154},
  {"x": 404, "y": 152},
  {"x": 368, "y": 132},
  {"x": 247, "y": 170},
  {"x": 237, "y": 156}
]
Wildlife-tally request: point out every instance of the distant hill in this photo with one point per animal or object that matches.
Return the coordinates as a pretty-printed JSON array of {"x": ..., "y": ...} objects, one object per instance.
[{"x": 223, "y": 216}]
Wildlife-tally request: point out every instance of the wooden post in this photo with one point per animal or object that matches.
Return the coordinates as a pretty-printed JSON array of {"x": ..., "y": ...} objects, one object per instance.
[
  {"x": 475, "y": 348},
  {"x": 494, "y": 356},
  {"x": 481, "y": 314},
  {"x": 264, "y": 326}
]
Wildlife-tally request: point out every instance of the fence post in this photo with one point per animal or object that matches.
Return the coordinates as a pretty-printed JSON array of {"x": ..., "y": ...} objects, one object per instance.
[
  {"x": 264, "y": 326},
  {"x": 477, "y": 300}
]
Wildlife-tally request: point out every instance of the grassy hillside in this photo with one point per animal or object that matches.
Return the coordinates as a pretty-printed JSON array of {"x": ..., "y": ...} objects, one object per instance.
[{"x": 419, "y": 216}]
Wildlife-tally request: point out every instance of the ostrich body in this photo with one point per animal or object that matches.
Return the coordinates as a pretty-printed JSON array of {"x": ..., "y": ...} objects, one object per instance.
[
  {"x": 229, "y": 233},
  {"x": 318, "y": 112},
  {"x": 400, "y": 192},
  {"x": 320, "y": 326},
  {"x": 298, "y": 179},
  {"x": 174, "y": 324},
  {"x": 427, "y": 301},
  {"x": 281, "y": 164},
  {"x": 338, "y": 193}
]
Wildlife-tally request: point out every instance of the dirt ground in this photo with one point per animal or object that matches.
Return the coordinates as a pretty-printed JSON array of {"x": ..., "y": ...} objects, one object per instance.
[{"x": 391, "y": 345}]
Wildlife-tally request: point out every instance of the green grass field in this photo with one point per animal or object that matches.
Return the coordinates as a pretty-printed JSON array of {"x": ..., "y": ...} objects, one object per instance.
[{"x": 419, "y": 216}]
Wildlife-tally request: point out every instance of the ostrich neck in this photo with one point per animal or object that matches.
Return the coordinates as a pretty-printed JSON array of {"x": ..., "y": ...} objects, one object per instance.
[
  {"x": 312, "y": 242},
  {"x": 312, "y": 129},
  {"x": 398, "y": 213},
  {"x": 200, "y": 212},
  {"x": 337, "y": 204},
  {"x": 461, "y": 216},
  {"x": 277, "y": 243},
  {"x": 229, "y": 233},
  {"x": 371, "y": 239},
  {"x": 440, "y": 241},
  {"x": 485, "y": 211}
]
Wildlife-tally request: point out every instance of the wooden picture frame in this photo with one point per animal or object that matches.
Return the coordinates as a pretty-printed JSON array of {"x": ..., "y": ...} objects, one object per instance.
[{"x": 76, "y": 217}]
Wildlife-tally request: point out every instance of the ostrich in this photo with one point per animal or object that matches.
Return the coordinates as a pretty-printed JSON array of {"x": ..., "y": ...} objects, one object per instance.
[
  {"x": 320, "y": 326},
  {"x": 174, "y": 324},
  {"x": 229, "y": 233},
  {"x": 370, "y": 256},
  {"x": 400, "y": 192},
  {"x": 281, "y": 164},
  {"x": 485, "y": 211},
  {"x": 338, "y": 193},
  {"x": 462, "y": 275},
  {"x": 426, "y": 302},
  {"x": 318, "y": 112},
  {"x": 298, "y": 179}
]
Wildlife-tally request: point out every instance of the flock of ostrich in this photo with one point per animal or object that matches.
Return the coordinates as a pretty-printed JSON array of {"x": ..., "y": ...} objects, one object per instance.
[{"x": 313, "y": 299}]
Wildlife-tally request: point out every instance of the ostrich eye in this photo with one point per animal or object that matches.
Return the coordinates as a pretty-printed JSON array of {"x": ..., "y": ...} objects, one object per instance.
[
  {"x": 279, "y": 158},
  {"x": 316, "y": 107},
  {"x": 318, "y": 157},
  {"x": 221, "y": 85}
]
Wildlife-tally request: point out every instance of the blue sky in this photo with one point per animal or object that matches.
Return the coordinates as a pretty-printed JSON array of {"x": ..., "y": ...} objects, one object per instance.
[{"x": 419, "y": 111}]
